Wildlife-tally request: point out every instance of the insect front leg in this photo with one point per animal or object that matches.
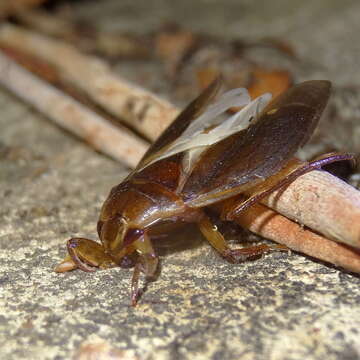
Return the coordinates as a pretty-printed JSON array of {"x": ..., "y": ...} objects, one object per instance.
[
  {"x": 86, "y": 255},
  {"x": 232, "y": 255},
  {"x": 147, "y": 263}
]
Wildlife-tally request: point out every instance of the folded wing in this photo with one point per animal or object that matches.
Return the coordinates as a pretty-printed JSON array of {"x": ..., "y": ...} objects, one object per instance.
[{"x": 246, "y": 158}]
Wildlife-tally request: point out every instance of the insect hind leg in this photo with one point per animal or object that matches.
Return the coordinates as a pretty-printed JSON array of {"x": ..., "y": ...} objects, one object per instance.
[{"x": 286, "y": 176}]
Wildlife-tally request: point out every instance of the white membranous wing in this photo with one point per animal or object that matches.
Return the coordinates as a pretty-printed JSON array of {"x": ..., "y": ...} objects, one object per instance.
[
  {"x": 209, "y": 128},
  {"x": 235, "y": 123}
]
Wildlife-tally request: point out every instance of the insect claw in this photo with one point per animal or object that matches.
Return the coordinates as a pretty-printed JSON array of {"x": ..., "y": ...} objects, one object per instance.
[
  {"x": 237, "y": 256},
  {"x": 135, "y": 297}
]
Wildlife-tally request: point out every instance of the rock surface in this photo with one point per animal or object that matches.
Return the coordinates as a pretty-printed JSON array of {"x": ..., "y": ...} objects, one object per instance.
[{"x": 52, "y": 186}]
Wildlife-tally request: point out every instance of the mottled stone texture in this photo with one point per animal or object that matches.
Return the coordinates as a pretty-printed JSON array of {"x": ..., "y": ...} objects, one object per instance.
[{"x": 283, "y": 306}]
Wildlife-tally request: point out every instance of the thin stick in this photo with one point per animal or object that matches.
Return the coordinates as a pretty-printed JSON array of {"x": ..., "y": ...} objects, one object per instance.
[
  {"x": 68, "y": 113},
  {"x": 112, "y": 44},
  {"x": 11, "y": 7},
  {"x": 322, "y": 202},
  {"x": 139, "y": 108},
  {"x": 46, "y": 22}
]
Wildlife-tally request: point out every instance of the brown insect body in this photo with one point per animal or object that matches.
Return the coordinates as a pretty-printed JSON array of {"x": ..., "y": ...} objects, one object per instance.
[
  {"x": 140, "y": 204},
  {"x": 170, "y": 186}
]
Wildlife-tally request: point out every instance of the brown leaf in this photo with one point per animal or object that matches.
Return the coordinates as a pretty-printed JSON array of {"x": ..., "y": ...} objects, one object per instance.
[
  {"x": 172, "y": 46},
  {"x": 259, "y": 81},
  {"x": 273, "y": 81},
  {"x": 205, "y": 76}
]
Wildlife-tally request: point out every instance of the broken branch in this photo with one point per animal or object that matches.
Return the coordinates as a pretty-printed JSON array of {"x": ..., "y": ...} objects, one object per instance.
[
  {"x": 70, "y": 114},
  {"x": 112, "y": 44},
  {"x": 138, "y": 108},
  {"x": 12, "y": 7},
  {"x": 322, "y": 202}
]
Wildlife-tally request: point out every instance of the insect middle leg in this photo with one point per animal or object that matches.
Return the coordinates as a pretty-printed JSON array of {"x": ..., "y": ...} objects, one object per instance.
[{"x": 232, "y": 255}]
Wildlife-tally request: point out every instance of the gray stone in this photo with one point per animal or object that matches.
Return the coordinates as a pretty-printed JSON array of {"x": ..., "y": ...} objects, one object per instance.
[{"x": 280, "y": 307}]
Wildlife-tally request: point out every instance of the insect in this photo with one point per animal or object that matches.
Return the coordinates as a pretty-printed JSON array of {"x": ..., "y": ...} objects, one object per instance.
[{"x": 200, "y": 160}]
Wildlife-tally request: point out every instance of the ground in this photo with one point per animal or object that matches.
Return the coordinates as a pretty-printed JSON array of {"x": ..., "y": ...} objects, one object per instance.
[{"x": 52, "y": 185}]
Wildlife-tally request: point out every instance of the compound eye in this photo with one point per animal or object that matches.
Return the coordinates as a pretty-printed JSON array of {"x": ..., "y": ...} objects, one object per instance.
[{"x": 112, "y": 233}]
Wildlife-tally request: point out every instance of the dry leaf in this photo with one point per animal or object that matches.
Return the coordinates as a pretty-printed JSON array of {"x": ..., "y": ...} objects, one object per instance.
[
  {"x": 206, "y": 75},
  {"x": 172, "y": 46},
  {"x": 257, "y": 81},
  {"x": 273, "y": 81}
]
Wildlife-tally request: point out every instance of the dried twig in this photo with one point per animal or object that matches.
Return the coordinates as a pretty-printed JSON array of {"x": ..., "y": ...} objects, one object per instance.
[
  {"x": 70, "y": 114},
  {"x": 11, "y": 7},
  {"x": 43, "y": 21},
  {"x": 86, "y": 37},
  {"x": 308, "y": 200},
  {"x": 139, "y": 108},
  {"x": 322, "y": 202}
]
